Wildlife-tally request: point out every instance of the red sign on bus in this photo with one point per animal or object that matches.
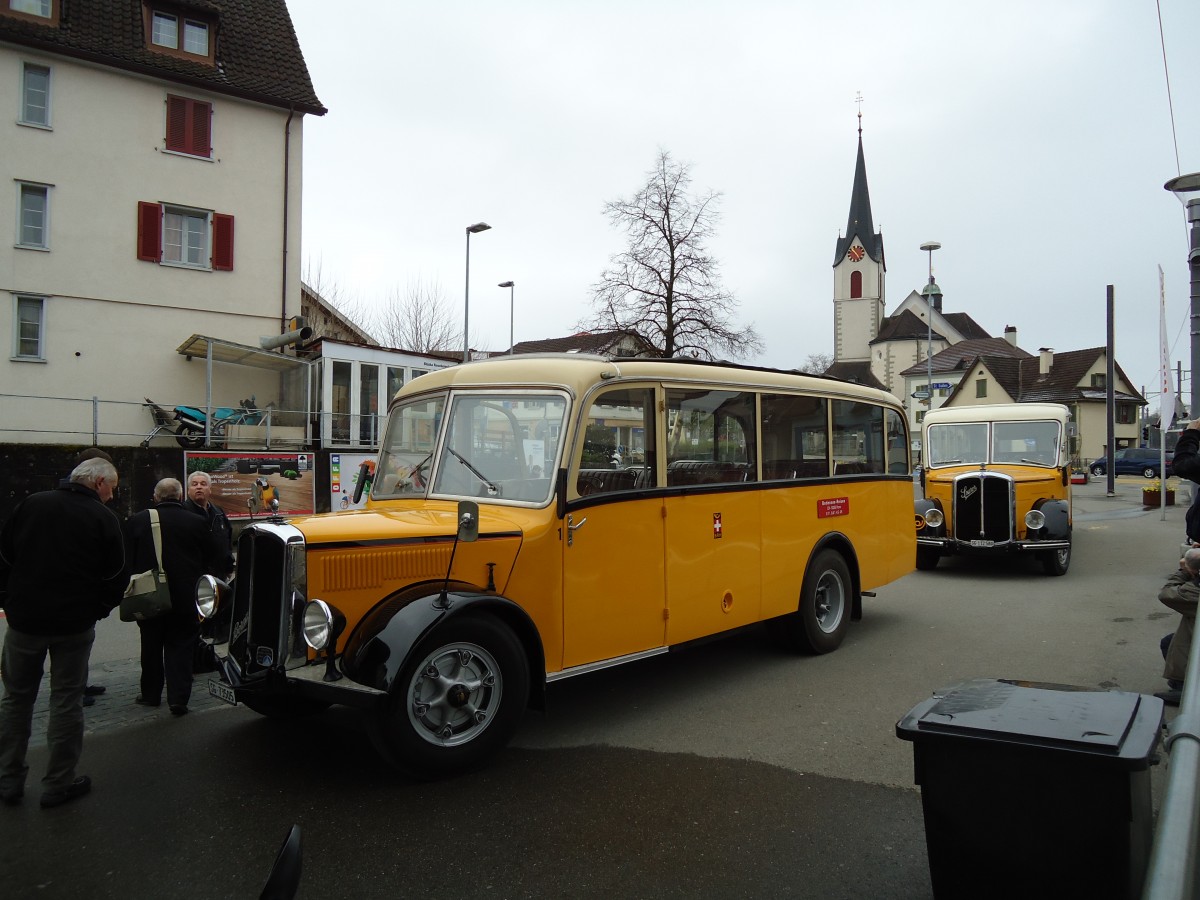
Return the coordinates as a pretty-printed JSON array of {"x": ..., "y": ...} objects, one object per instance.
[{"x": 833, "y": 506}]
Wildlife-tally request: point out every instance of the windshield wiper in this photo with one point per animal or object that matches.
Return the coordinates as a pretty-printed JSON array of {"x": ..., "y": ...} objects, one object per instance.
[{"x": 493, "y": 490}]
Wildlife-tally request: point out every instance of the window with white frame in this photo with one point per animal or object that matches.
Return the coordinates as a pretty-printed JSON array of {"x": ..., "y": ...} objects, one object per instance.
[
  {"x": 35, "y": 95},
  {"x": 33, "y": 211},
  {"x": 28, "y": 333},
  {"x": 185, "y": 236},
  {"x": 165, "y": 31},
  {"x": 40, "y": 8}
]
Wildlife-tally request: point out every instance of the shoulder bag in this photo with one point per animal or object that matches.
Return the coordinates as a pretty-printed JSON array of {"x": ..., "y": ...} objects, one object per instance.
[{"x": 148, "y": 596}]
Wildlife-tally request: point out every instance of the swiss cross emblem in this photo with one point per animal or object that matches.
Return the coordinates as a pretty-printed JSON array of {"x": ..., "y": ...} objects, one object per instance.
[
  {"x": 716, "y": 526},
  {"x": 856, "y": 253}
]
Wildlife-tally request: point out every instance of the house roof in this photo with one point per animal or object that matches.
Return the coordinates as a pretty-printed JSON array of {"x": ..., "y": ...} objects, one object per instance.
[
  {"x": 966, "y": 326},
  {"x": 856, "y": 372},
  {"x": 859, "y": 224},
  {"x": 905, "y": 326},
  {"x": 256, "y": 51},
  {"x": 600, "y": 342},
  {"x": 1023, "y": 381},
  {"x": 962, "y": 355},
  {"x": 309, "y": 293}
]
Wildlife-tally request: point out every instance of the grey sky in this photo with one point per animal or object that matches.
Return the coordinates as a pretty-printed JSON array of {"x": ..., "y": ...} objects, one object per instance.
[{"x": 1031, "y": 139}]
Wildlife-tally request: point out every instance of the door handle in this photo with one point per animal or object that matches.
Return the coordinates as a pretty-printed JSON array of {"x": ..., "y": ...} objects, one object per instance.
[{"x": 572, "y": 528}]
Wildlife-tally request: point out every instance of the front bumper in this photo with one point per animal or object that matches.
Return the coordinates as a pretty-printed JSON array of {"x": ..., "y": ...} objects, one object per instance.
[
  {"x": 951, "y": 545},
  {"x": 307, "y": 682}
]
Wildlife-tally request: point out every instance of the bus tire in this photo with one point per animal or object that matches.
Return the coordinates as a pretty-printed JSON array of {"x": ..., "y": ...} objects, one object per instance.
[
  {"x": 928, "y": 558},
  {"x": 820, "y": 623},
  {"x": 458, "y": 700},
  {"x": 274, "y": 707},
  {"x": 1056, "y": 562}
]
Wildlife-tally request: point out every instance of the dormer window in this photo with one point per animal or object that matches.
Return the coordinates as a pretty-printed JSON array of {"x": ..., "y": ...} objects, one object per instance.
[
  {"x": 179, "y": 35},
  {"x": 44, "y": 12}
]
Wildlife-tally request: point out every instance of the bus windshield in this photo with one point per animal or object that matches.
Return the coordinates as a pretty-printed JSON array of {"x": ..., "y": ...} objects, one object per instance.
[{"x": 498, "y": 446}]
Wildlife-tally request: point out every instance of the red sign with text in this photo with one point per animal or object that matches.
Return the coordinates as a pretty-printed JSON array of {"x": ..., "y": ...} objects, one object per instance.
[{"x": 833, "y": 506}]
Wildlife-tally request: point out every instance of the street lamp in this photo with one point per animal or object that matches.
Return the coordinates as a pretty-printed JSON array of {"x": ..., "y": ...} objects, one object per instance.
[
  {"x": 930, "y": 291},
  {"x": 510, "y": 285},
  {"x": 1187, "y": 184},
  {"x": 471, "y": 229}
]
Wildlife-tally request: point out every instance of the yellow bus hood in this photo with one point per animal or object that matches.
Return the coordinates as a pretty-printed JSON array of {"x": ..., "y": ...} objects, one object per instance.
[{"x": 368, "y": 525}]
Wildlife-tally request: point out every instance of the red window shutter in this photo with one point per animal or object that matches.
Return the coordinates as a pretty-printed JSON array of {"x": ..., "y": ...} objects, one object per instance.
[
  {"x": 200, "y": 131},
  {"x": 177, "y": 130},
  {"x": 222, "y": 253},
  {"x": 149, "y": 238}
]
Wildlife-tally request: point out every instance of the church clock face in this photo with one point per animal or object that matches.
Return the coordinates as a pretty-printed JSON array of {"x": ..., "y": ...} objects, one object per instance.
[{"x": 856, "y": 253}]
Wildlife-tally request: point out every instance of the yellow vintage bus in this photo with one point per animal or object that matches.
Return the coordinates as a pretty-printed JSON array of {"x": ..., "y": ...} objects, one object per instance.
[
  {"x": 996, "y": 480},
  {"x": 531, "y": 518}
]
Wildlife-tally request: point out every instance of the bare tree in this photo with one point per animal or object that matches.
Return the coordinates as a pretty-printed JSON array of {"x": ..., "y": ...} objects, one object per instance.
[
  {"x": 817, "y": 363},
  {"x": 665, "y": 286},
  {"x": 418, "y": 319},
  {"x": 327, "y": 288}
]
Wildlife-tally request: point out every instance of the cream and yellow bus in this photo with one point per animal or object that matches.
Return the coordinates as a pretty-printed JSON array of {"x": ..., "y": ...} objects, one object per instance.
[{"x": 532, "y": 518}]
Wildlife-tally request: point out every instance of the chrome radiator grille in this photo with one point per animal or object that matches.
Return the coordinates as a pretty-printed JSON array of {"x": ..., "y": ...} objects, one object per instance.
[
  {"x": 983, "y": 509},
  {"x": 259, "y": 636}
]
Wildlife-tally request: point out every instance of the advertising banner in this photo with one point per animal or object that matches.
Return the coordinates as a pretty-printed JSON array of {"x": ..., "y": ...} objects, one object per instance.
[
  {"x": 287, "y": 477},
  {"x": 343, "y": 478}
]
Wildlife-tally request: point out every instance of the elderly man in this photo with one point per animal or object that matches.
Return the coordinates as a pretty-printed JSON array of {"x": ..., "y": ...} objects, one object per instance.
[
  {"x": 62, "y": 568},
  {"x": 189, "y": 550},
  {"x": 199, "y": 500},
  {"x": 1181, "y": 593}
]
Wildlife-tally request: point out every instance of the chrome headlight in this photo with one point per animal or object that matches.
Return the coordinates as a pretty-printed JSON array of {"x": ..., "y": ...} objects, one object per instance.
[
  {"x": 1035, "y": 519},
  {"x": 934, "y": 517},
  {"x": 319, "y": 620},
  {"x": 210, "y": 596}
]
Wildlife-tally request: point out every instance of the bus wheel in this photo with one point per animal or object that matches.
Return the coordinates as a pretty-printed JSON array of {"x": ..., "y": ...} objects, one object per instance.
[
  {"x": 458, "y": 699},
  {"x": 820, "y": 624},
  {"x": 927, "y": 558},
  {"x": 1056, "y": 562},
  {"x": 284, "y": 707}
]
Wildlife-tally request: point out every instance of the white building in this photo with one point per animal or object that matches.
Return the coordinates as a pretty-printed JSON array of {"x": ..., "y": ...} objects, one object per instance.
[{"x": 155, "y": 154}]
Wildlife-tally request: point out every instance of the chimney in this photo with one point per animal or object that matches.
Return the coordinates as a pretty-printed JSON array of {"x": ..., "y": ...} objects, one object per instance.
[
  {"x": 1010, "y": 335},
  {"x": 1046, "y": 360}
]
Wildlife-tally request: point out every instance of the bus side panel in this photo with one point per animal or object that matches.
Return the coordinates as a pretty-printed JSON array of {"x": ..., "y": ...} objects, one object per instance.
[
  {"x": 536, "y": 582},
  {"x": 713, "y": 563}
]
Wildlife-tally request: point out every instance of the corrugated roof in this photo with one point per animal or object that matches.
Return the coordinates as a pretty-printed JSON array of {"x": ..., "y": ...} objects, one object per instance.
[{"x": 257, "y": 55}]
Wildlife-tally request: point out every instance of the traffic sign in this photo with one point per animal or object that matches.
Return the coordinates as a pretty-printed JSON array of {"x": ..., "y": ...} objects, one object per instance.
[
  {"x": 920, "y": 395},
  {"x": 941, "y": 385}
]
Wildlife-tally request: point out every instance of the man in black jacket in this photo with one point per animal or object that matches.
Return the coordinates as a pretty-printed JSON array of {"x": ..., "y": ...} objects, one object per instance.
[
  {"x": 189, "y": 550},
  {"x": 199, "y": 500},
  {"x": 62, "y": 568}
]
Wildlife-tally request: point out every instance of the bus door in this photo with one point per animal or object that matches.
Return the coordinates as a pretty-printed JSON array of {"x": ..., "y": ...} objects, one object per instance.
[
  {"x": 614, "y": 593},
  {"x": 714, "y": 524}
]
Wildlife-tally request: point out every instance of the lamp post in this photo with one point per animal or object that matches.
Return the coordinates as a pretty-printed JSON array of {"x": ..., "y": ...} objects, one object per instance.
[
  {"x": 1187, "y": 184},
  {"x": 930, "y": 291},
  {"x": 471, "y": 229},
  {"x": 510, "y": 285}
]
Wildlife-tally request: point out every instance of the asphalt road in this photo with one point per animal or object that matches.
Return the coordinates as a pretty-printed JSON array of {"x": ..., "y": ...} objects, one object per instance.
[{"x": 728, "y": 770}]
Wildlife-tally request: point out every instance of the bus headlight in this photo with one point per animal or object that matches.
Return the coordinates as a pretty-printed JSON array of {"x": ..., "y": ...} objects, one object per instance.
[
  {"x": 1035, "y": 519},
  {"x": 934, "y": 517},
  {"x": 322, "y": 624},
  {"x": 210, "y": 596}
]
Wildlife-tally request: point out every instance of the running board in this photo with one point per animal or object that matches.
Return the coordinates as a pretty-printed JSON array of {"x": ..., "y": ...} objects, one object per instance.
[{"x": 604, "y": 664}]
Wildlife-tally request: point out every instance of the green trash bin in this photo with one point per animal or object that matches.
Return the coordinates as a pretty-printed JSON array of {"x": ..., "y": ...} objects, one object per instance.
[{"x": 1035, "y": 790}]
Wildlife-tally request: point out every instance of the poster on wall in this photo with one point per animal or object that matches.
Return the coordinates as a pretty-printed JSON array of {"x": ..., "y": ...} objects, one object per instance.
[
  {"x": 343, "y": 478},
  {"x": 287, "y": 477}
]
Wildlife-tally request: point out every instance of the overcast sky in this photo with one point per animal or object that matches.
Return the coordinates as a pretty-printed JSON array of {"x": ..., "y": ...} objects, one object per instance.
[{"x": 1032, "y": 139}]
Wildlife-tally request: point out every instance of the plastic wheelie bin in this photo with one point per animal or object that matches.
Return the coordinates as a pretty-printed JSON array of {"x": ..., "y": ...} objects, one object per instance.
[{"x": 1034, "y": 790}]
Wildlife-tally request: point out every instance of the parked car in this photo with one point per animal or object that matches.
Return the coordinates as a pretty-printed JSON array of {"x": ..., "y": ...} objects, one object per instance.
[{"x": 1142, "y": 461}]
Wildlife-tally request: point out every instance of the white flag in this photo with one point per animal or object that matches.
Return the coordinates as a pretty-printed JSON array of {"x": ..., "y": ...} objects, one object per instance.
[{"x": 1166, "y": 400}]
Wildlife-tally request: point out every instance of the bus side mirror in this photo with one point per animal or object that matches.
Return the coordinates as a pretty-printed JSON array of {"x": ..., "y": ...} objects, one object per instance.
[
  {"x": 468, "y": 520},
  {"x": 366, "y": 475}
]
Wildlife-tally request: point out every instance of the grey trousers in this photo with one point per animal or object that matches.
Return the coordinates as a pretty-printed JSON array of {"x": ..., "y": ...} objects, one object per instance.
[{"x": 21, "y": 665}]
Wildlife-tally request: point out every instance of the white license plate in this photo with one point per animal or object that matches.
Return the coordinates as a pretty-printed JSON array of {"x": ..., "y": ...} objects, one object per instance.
[
  {"x": 983, "y": 543},
  {"x": 222, "y": 691}
]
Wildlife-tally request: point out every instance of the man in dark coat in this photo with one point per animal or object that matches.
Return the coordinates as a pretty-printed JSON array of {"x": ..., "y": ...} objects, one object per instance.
[
  {"x": 199, "y": 500},
  {"x": 189, "y": 550},
  {"x": 62, "y": 568}
]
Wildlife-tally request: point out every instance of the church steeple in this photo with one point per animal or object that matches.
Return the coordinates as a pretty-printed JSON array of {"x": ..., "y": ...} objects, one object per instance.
[{"x": 860, "y": 223}]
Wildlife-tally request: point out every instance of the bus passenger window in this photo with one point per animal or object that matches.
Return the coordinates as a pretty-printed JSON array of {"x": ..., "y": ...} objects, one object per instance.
[
  {"x": 795, "y": 437},
  {"x": 710, "y": 437},
  {"x": 618, "y": 452},
  {"x": 858, "y": 438}
]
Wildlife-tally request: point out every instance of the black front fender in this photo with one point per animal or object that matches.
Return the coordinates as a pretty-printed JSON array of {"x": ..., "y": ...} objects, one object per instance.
[
  {"x": 380, "y": 659},
  {"x": 1058, "y": 519}
]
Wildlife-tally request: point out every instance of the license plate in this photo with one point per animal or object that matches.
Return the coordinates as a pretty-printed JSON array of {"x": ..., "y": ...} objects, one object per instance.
[
  {"x": 983, "y": 543},
  {"x": 222, "y": 691}
]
